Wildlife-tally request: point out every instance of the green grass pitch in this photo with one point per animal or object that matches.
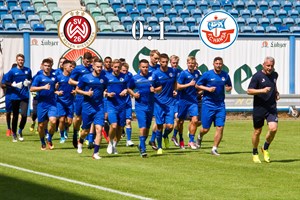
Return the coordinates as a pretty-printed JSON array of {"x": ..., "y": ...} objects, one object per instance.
[{"x": 177, "y": 174}]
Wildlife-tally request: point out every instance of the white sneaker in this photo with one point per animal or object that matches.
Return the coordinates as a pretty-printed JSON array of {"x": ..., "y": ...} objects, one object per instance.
[
  {"x": 129, "y": 143},
  {"x": 21, "y": 138},
  {"x": 214, "y": 152},
  {"x": 115, "y": 150},
  {"x": 109, "y": 149},
  {"x": 79, "y": 148},
  {"x": 15, "y": 139},
  {"x": 96, "y": 156}
]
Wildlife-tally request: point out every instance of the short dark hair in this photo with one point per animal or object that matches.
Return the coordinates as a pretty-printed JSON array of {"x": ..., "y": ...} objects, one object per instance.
[
  {"x": 143, "y": 61},
  {"x": 47, "y": 60},
  {"x": 14, "y": 65},
  {"x": 218, "y": 58},
  {"x": 67, "y": 62},
  {"x": 107, "y": 57},
  {"x": 98, "y": 60},
  {"x": 87, "y": 55},
  {"x": 164, "y": 55},
  {"x": 73, "y": 63}
]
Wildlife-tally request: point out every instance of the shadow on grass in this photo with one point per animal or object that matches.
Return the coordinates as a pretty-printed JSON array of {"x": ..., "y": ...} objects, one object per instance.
[
  {"x": 12, "y": 188},
  {"x": 237, "y": 152},
  {"x": 286, "y": 160}
]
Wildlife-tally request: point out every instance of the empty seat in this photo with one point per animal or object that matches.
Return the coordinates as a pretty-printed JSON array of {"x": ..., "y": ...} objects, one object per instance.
[
  {"x": 100, "y": 20},
  {"x": 55, "y": 11},
  {"x": 194, "y": 29},
  {"x": 153, "y": 4},
  {"x": 29, "y": 11},
  {"x": 134, "y": 12},
  {"x": 166, "y": 20},
  {"x": 293, "y": 13},
  {"x": 24, "y": 27},
  {"x": 6, "y": 18},
  {"x": 89, "y": 4},
  {"x": 258, "y": 29},
  {"x": 241, "y": 22},
  {"x": 183, "y": 13},
  {"x": 269, "y": 13},
  {"x": 37, "y": 3},
  {"x": 159, "y": 12},
  {"x": 105, "y": 28},
  {"x": 190, "y": 21},
  {"x": 171, "y": 29},
  {"x": 139, "y": 19},
  {"x": 271, "y": 29},
  {"x": 152, "y": 21},
  {"x": 51, "y": 27},
  {"x": 196, "y": 13},
  {"x": 215, "y": 5},
  {"x": 115, "y": 4},
  {"x": 274, "y": 5},
  {"x": 246, "y": 29},
  {"x": 177, "y": 21},
  {"x": 178, "y": 4},
  {"x": 146, "y": 12},
  {"x": 51, "y": 3},
  {"x": 10, "y": 27},
  {"x": 202, "y": 4},
  {"x": 121, "y": 12},
  {"x": 296, "y": 5},
  {"x": 113, "y": 20},
  {"x": 20, "y": 19},
  {"x": 190, "y": 4},
  {"x": 33, "y": 19},
  {"x": 3, "y": 10},
  {"x": 234, "y": 12},
  {"x": 239, "y": 5},
  {"x": 96, "y": 11},
  {"x": 38, "y": 27},
  {"x": 118, "y": 28},
  {"x": 263, "y": 5},
  {"x": 171, "y": 13},
  {"x": 283, "y": 29},
  {"x": 264, "y": 22},
  {"x": 108, "y": 12},
  {"x": 47, "y": 19},
  {"x": 183, "y": 29},
  {"x": 227, "y": 5},
  {"x": 257, "y": 13},
  {"x": 126, "y": 20},
  {"x": 166, "y": 4},
  {"x": 128, "y": 28},
  {"x": 297, "y": 21},
  {"x": 252, "y": 21},
  {"x": 206, "y": 11},
  {"x": 15, "y": 10},
  {"x": 128, "y": 4},
  {"x": 56, "y": 18},
  {"x": 141, "y": 4},
  {"x": 155, "y": 28},
  {"x": 281, "y": 14},
  {"x": 286, "y": 5},
  {"x": 1, "y": 27},
  {"x": 2, "y": 3},
  {"x": 11, "y": 3},
  {"x": 250, "y": 5},
  {"x": 295, "y": 29},
  {"x": 42, "y": 11},
  {"x": 245, "y": 13},
  {"x": 103, "y": 4},
  {"x": 276, "y": 22},
  {"x": 288, "y": 22}
]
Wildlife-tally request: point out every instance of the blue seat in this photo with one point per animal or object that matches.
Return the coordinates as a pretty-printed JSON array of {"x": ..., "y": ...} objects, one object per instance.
[
  {"x": 250, "y": 5},
  {"x": 10, "y": 27},
  {"x": 178, "y": 4},
  {"x": 239, "y": 5},
  {"x": 118, "y": 28},
  {"x": 252, "y": 21},
  {"x": 153, "y": 4},
  {"x": 183, "y": 29},
  {"x": 2, "y": 3},
  {"x": 296, "y": 5},
  {"x": 134, "y": 13},
  {"x": 100, "y": 20},
  {"x": 20, "y": 19},
  {"x": 271, "y": 29},
  {"x": 121, "y": 12},
  {"x": 215, "y": 5},
  {"x": 159, "y": 12},
  {"x": 105, "y": 28},
  {"x": 283, "y": 29},
  {"x": 196, "y": 13},
  {"x": 241, "y": 22},
  {"x": 258, "y": 29},
  {"x": 269, "y": 13},
  {"x": 139, "y": 19},
  {"x": 33, "y": 19},
  {"x": 155, "y": 28},
  {"x": 113, "y": 20},
  {"x": 295, "y": 29},
  {"x": 297, "y": 21},
  {"x": 263, "y": 5},
  {"x": 128, "y": 28},
  {"x": 152, "y": 21},
  {"x": 257, "y": 13},
  {"x": 177, "y": 21},
  {"x": 3, "y": 10},
  {"x": 165, "y": 4},
  {"x": 206, "y": 11},
  {"x": 128, "y": 4},
  {"x": 194, "y": 29},
  {"x": 276, "y": 22},
  {"x": 202, "y": 4},
  {"x": 246, "y": 29},
  {"x": 24, "y": 27},
  {"x": 286, "y": 5},
  {"x": 281, "y": 13},
  {"x": 6, "y": 18},
  {"x": 288, "y": 22},
  {"x": 190, "y": 21},
  {"x": 293, "y": 13},
  {"x": 171, "y": 29},
  {"x": 1, "y": 27},
  {"x": 264, "y": 22},
  {"x": 11, "y": 3},
  {"x": 190, "y": 4},
  {"x": 166, "y": 20},
  {"x": 274, "y": 5},
  {"x": 15, "y": 10},
  {"x": 141, "y": 4},
  {"x": 227, "y": 5},
  {"x": 171, "y": 13},
  {"x": 198, "y": 20},
  {"x": 115, "y": 4},
  {"x": 183, "y": 13},
  {"x": 245, "y": 13},
  {"x": 234, "y": 12},
  {"x": 38, "y": 27},
  {"x": 146, "y": 12}
]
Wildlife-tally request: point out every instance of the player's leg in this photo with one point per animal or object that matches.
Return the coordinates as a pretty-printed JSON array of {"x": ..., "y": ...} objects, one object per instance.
[
  {"x": 176, "y": 121},
  {"x": 77, "y": 119},
  {"x": 98, "y": 138},
  {"x": 193, "y": 113},
  {"x": 88, "y": 116},
  {"x": 42, "y": 123},
  {"x": 33, "y": 114},
  {"x": 61, "y": 115},
  {"x": 160, "y": 120},
  {"x": 169, "y": 121},
  {"x": 143, "y": 121},
  {"x": 182, "y": 113},
  {"x": 16, "y": 107},
  {"x": 8, "y": 109},
  {"x": 112, "y": 117},
  {"x": 219, "y": 123},
  {"x": 24, "y": 109},
  {"x": 206, "y": 122},
  {"x": 121, "y": 121}
]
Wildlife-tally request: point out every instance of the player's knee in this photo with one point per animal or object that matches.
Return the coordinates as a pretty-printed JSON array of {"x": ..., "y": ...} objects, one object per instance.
[
  {"x": 204, "y": 130},
  {"x": 170, "y": 126}
]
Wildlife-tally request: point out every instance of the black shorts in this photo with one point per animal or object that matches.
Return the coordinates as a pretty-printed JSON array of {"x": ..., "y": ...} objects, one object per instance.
[{"x": 261, "y": 113}]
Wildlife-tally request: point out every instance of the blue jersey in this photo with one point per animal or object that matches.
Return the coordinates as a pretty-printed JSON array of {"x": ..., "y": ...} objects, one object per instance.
[
  {"x": 59, "y": 71},
  {"x": 153, "y": 68},
  {"x": 47, "y": 96},
  {"x": 142, "y": 85},
  {"x": 107, "y": 71},
  {"x": 63, "y": 85},
  {"x": 53, "y": 72},
  {"x": 8, "y": 88},
  {"x": 167, "y": 80},
  {"x": 19, "y": 75},
  {"x": 98, "y": 84},
  {"x": 117, "y": 84},
  {"x": 128, "y": 100},
  {"x": 189, "y": 94},
  {"x": 211, "y": 79},
  {"x": 78, "y": 72}
]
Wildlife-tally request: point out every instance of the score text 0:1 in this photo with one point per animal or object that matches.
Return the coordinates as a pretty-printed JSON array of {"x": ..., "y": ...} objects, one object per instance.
[{"x": 141, "y": 30}]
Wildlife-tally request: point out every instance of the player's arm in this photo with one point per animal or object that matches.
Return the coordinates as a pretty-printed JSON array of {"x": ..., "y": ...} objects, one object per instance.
[
  {"x": 136, "y": 95},
  {"x": 85, "y": 93},
  {"x": 39, "y": 88},
  {"x": 183, "y": 86},
  {"x": 205, "y": 88},
  {"x": 252, "y": 91},
  {"x": 73, "y": 82}
]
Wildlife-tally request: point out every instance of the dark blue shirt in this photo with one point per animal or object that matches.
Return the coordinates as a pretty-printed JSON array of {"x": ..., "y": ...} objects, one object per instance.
[
  {"x": 47, "y": 96},
  {"x": 63, "y": 85}
]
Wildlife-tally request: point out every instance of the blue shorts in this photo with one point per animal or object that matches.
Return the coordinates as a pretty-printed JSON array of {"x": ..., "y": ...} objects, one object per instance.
[
  {"x": 129, "y": 112},
  {"x": 45, "y": 111},
  {"x": 164, "y": 114},
  {"x": 184, "y": 109},
  {"x": 65, "y": 110},
  {"x": 176, "y": 107},
  {"x": 116, "y": 116},
  {"x": 144, "y": 117},
  {"x": 199, "y": 110},
  {"x": 92, "y": 115},
  {"x": 78, "y": 105},
  {"x": 216, "y": 115},
  {"x": 8, "y": 104}
]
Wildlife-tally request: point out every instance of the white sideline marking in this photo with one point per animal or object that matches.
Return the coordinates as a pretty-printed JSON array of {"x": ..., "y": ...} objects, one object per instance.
[{"x": 76, "y": 182}]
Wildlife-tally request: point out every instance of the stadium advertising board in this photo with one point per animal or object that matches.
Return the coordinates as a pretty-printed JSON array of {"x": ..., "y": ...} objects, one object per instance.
[{"x": 297, "y": 70}]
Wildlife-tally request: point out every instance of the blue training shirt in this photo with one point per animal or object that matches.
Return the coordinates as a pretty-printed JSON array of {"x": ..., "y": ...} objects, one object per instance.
[
  {"x": 8, "y": 88},
  {"x": 19, "y": 75},
  {"x": 78, "y": 72},
  {"x": 211, "y": 79},
  {"x": 63, "y": 85}
]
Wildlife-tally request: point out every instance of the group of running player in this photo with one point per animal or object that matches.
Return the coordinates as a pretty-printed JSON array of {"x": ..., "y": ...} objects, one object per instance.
[{"x": 99, "y": 92}]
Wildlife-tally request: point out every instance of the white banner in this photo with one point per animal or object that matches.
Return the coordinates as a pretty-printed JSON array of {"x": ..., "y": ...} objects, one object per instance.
[
  {"x": 297, "y": 63},
  {"x": 241, "y": 58}
]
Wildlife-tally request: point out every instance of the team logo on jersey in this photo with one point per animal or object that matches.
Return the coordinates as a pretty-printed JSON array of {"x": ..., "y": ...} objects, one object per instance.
[
  {"x": 218, "y": 30},
  {"x": 121, "y": 79},
  {"x": 170, "y": 74},
  {"x": 263, "y": 80},
  {"x": 26, "y": 72},
  {"x": 150, "y": 78},
  {"x": 53, "y": 79},
  {"x": 196, "y": 75},
  {"x": 101, "y": 81},
  {"x": 77, "y": 29},
  {"x": 223, "y": 78}
]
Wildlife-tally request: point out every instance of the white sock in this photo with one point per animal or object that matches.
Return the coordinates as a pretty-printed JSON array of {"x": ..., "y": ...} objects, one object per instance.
[{"x": 214, "y": 148}]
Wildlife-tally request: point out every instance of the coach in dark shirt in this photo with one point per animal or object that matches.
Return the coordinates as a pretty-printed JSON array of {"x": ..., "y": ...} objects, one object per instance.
[{"x": 263, "y": 87}]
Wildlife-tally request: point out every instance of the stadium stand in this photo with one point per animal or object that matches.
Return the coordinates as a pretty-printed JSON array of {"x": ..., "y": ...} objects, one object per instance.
[
  {"x": 271, "y": 29},
  {"x": 166, "y": 20},
  {"x": 258, "y": 29},
  {"x": 171, "y": 29},
  {"x": 24, "y": 27},
  {"x": 246, "y": 29}
]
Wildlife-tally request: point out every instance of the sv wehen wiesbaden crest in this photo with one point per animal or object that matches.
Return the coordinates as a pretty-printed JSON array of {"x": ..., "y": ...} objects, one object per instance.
[
  {"x": 218, "y": 30},
  {"x": 77, "y": 29}
]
